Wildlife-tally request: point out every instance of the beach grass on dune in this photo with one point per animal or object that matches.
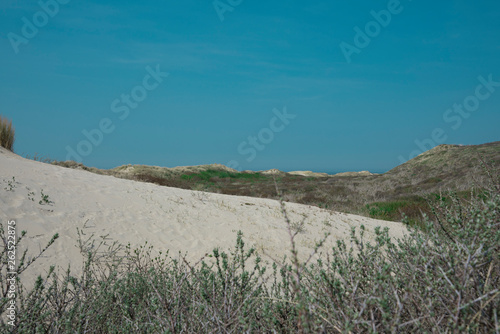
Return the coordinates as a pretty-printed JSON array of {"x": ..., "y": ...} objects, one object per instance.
[{"x": 7, "y": 134}]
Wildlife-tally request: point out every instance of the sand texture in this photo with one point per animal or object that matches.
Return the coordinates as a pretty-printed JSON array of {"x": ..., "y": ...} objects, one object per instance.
[{"x": 167, "y": 218}]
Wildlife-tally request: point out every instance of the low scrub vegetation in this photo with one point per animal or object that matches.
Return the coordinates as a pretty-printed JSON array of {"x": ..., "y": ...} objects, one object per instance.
[
  {"x": 401, "y": 192},
  {"x": 443, "y": 279},
  {"x": 7, "y": 134},
  {"x": 411, "y": 209},
  {"x": 208, "y": 175}
]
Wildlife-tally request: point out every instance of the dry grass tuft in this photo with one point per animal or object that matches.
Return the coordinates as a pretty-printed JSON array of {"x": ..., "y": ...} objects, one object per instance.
[{"x": 7, "y": 133}]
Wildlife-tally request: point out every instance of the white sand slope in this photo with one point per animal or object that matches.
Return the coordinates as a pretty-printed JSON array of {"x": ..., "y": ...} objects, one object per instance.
[{"x": 167, "y": 218}]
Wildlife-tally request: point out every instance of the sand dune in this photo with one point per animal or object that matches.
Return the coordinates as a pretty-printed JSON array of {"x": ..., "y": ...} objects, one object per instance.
[{"x": 167, "y": 218}]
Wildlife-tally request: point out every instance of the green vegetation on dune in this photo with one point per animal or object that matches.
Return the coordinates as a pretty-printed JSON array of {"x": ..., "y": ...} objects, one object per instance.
[
  {"x": 210, "y": 174},
  {"x": 401, "y": 192},
  {"x": 411, "y": 207},
  {"x": 441, "y": 279}
]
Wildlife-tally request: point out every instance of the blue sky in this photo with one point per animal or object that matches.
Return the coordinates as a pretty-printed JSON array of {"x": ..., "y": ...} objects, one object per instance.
[{"x": 229, "y": 79}]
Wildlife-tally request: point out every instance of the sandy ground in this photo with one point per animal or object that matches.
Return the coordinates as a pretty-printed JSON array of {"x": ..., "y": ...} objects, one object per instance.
[{"x": 167, "y": 218}]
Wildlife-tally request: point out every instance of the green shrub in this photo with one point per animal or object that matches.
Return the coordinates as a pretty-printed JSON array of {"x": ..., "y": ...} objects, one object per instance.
[
  {"x": 210, "y": 174},
  {"x": 444, "y": 280},
  {"x": 7, "y": 134},
  {"x": 411, "y": 209}
]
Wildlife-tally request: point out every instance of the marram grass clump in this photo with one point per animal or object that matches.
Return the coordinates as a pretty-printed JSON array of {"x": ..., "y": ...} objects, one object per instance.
[{"x": 7, "y": 133}]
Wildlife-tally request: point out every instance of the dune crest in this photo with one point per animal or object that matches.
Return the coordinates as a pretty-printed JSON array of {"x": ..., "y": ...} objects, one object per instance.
[{"x": 167, "y": 218}]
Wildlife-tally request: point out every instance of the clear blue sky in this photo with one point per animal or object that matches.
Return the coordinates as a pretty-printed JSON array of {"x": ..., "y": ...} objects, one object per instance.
[{"x": 76, "y": 69}]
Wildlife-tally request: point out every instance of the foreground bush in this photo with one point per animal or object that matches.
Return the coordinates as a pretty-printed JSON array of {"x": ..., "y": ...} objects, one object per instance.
[
  {"x": 7, "y": 134},
  {"x": 445, "y": 280}
]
